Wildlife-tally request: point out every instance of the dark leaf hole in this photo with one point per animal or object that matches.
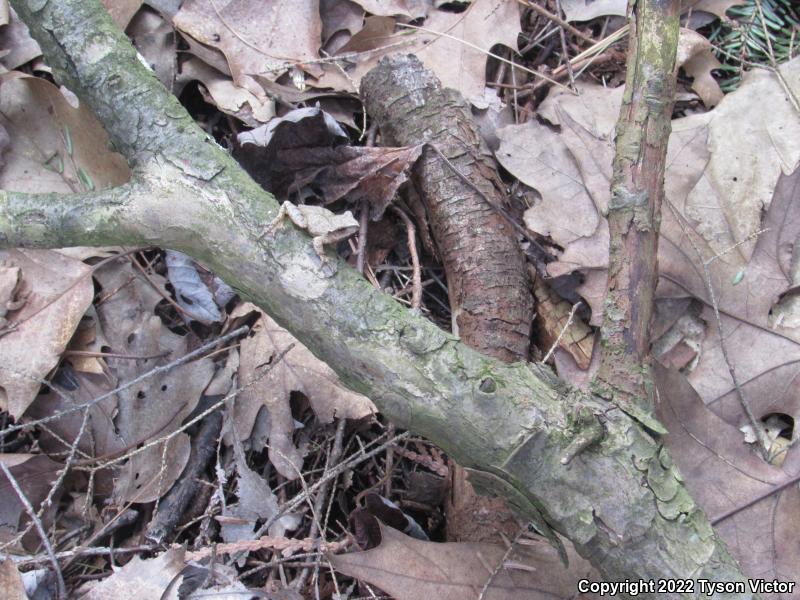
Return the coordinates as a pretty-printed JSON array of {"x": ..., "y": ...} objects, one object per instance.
[{"x": 780, "y": 422}]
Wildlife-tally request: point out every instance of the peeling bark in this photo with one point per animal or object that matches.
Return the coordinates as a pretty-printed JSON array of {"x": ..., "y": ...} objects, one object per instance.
[
  {"x": 490, "y": 293},
  {"x": 489, "y": 289},
  {"x": 634, "y": 213}
]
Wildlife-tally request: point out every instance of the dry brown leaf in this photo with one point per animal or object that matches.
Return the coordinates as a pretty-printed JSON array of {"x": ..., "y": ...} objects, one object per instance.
[
  {"x": 340, "y": 20},
  {"x": 412, "y": 9},
  {"x": 696, "y": 56},
  {"x": 141, "y": 579},
  {"x": 101, "y": 438},
  {"x": 723, "y": 473},
  {"x": 17, "y": 41},
  {"x": 764, "y": 354},
  {"x": 87, "y": 339},
  {"x": 572, "y": 172},
  {"x": 226, "y": 96},
  {"x": 35, "y": 473},
  {"x": 257, "y": 38},
  {"x": 460, "y": 63},
  {"x": 357, "y": 173},
  {"x": 156, "y": 406},
  {"x": 11, "y": 587},
  {"x": 734, "y": 187},
  {"x": 762, "y": 334},
  {"x": 304, "y": 149},
  {"x": 753, "y": 137},
  {"x": 586, "y": 10},
  {"x": 52, "y": 143},
  {"x": 154, "y": 38},
  {"x": 51, "y": 295},
  {"x": 410, "y": 569},
  {"x": 299, "y": 371},
  {"x": 549, "y": 168},
  {"x": 255, "y": 501},
  {"x": 376, "y": 32},
  {"x": 453, "y": 45},
  {"x": 554, "y": 311}
]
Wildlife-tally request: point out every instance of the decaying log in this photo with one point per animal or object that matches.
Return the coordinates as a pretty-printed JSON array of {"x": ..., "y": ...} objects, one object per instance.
[{"x": 490, "y": 293}]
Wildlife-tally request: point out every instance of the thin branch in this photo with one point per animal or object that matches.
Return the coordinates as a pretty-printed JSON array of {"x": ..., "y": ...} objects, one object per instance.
[
  {"x": 563, "y": 25},
  {"x": 62, "y": 588},
  {"x": 416, "y": 286},
  {"x": 562, "y": 332},
  {"x": 334, "y": 472},
  {"x": 712, "y": 297},
  {"x": 146, "y": 375},
  {"x": 486, "y": 52}
]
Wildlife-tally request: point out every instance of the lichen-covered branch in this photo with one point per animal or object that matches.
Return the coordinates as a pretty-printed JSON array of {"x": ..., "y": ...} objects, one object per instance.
[
  {"x": 634, "y": 213},
  {"x": 619, "y": 500}
]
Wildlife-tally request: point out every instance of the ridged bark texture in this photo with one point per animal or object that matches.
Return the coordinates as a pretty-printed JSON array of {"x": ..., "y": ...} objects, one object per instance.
[{"x": 489, "y": 286}]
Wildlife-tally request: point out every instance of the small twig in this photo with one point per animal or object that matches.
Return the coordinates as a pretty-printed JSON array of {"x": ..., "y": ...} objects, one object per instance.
[
  {"x": 321, "y": 499},
  {"x": 363, "y": 222},
  {"x": 389, "y": 463},
  {"x": 757, "y": 428},
  {"x": 593, "y": 52},
  {"x": 30, "y": 561},
  {"x": 363, "y": 228},
  {"x": 492, "y": 54},
  {"x": 335, "y": 471},
  {"x": 154, "y": 371},
  {"x": 730, "y": 513},
  {"x": 113, "y": 355},
  {"x": 416, "y": 288},
  {"x": 62, "y": 588},
  {"x": 185, "y": 489},
  {"x": 502, "y": 211},
  {"x": 500, "y": 565},
  {"x": 562, "y": 332},
  {"x": 564, "y": 50},
  {"x": 514, "y": 90},
  {"x": 557, "y": 20}
]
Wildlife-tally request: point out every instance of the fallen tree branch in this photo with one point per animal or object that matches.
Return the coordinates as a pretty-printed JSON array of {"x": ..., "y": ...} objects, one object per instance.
[
  {"x": 490, "y": 292},
  {"x": 634, "y": 211},
  {"x": 620, "y": 501}
]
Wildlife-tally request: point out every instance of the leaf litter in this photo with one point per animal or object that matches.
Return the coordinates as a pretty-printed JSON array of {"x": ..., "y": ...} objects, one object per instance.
[{"x": 749, "y": 254}]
